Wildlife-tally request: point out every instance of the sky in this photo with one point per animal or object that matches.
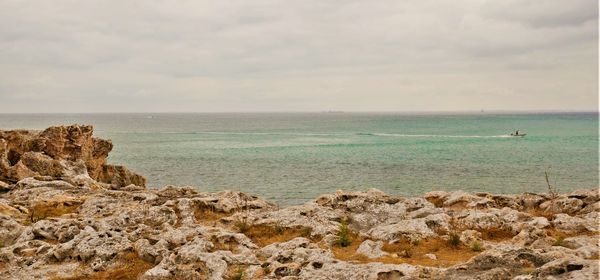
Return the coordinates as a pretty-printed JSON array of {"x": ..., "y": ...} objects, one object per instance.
[{"x": 311, "y": 55}]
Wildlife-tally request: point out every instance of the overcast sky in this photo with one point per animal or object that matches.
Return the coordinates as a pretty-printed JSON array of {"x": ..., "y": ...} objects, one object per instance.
[{"x": 309, "y": 55}]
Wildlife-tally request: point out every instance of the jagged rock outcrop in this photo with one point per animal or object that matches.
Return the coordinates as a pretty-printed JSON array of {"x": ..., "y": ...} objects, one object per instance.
[{"x": 60, "y": 152}]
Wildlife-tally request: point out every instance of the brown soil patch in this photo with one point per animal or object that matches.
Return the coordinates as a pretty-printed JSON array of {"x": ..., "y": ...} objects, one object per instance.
[
  {"x": 409, "y": 252},
  {"x": 556, "y": 233},
  {"x": 436, "y": 201},
  {"x": 537, "y": 212},
  {"x": 208, "y": 216},
  {"x": 130, "y": 267},
  {"x": 235, "y": 272},
  {"x": 560, "y": 235},
  {"x": 496, "y": 235},
  {"x": 491, "y": 234},
  {"x": 461, "y": 205},
  {"x": 184, "y": 271},
  {"x": 53, "y": 208},
  {"x": 228, "y": 245}
]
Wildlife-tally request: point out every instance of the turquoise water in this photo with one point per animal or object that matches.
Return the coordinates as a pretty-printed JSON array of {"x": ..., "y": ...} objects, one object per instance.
[{"x": 292, "y": 157}]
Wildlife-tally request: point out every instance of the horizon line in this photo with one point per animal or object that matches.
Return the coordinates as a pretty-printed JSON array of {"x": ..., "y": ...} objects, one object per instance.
[{"x": 483, "y": 111}]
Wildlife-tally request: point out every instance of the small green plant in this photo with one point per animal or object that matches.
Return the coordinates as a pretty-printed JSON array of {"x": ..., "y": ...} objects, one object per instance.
[
  {"x": 242, "y": 223},
  {"x": 560, "y": 241},
  {"x": 306, "y": 232},
  {"x": 238, "y": 276},
  {"x": 528, "y": 270},
  {"x": 415, "y": 242},
  {"x": 242, "y": 226},
  {"x": 476, "y": 247},
  {"x": 279, "y": 229},
  {"x": 454, "y": 239},
  {"x": 344, "y": 236}
]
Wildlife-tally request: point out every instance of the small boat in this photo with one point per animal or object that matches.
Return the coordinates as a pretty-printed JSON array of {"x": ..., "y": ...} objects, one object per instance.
[{"x": 517, "y": 134}]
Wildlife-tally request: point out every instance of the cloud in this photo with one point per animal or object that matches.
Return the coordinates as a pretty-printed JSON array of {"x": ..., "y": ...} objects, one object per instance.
[
  {"x": 547, "y": 14},
  {"x": 74, "y": 56}
]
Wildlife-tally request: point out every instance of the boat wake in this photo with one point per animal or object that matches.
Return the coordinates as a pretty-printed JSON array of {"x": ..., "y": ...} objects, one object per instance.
[{"x": 433, "y": 135}]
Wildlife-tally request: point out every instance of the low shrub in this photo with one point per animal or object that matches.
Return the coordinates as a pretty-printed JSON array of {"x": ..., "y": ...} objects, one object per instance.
[
  {"x": 344, "y": 236},
  {"x": 454, "y": 239}
]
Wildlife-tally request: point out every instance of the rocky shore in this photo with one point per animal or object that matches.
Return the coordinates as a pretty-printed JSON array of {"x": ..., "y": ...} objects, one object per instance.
[{"x": 67, "y": 214}]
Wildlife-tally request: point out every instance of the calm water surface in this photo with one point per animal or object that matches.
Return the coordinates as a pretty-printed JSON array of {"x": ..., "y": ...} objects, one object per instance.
[{"x": 292, "y": 157}]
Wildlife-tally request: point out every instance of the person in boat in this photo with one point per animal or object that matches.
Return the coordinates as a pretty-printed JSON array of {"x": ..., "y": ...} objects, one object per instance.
[{"x": 517, "y": 132}]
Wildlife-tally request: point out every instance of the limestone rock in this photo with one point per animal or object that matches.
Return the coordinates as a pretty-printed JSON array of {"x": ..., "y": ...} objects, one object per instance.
[
  {"x": 469, "y": 237},
  {"x": 152, "y": 253},
  {"x": 562, "y": 205},
  {"x": 10, "y": 230},
  {"x": 412, "y": 229},
  {"x": 529, "y": 235},
  {"x": 371, "y": 249},
  {"x": 319, "y": 219},
  {"x": 5, "y": 187},
  {"x": 567, "y": 223},
  {"x": 416, "y": 203},
  {"x": 466, "y": 199},
  {"x": 431, "y": 256},
  {"x": 61, "y": 230},
  {"x": 230, "y": 201},
  {"x": 119, "y": 176},
  {"x": 344, "y": 270},
  {"x": 568, "y": 268},
  {"x": 60, "y": 151}
]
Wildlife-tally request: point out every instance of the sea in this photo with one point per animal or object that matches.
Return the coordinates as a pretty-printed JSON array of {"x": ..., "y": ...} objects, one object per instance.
[{"x": 290, "y": 158}]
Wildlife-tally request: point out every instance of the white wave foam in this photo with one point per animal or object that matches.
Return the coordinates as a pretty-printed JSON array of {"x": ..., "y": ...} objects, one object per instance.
[{"x": 435, "y": 135}]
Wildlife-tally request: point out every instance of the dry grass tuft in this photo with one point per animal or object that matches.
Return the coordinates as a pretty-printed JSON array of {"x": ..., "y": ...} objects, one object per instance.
[
  {"x": 496, "y": 234},
  {"x": 476, "y": 247},
  {"x": 560, "y": 241},
  {"x": 207, "y": 215},
  {"x": 556, "y": 233},
  {"x": 537, "y": 212},
  {"x": 528, "y": 270},
  {"x": 235, "y": 272},
  {"x": 454, "y": 239}
]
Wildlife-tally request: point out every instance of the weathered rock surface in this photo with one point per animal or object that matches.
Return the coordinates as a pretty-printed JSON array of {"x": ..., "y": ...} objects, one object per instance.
[
  {"x": 66, "y": 214},
  {"x": 60, "y": 152}
]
